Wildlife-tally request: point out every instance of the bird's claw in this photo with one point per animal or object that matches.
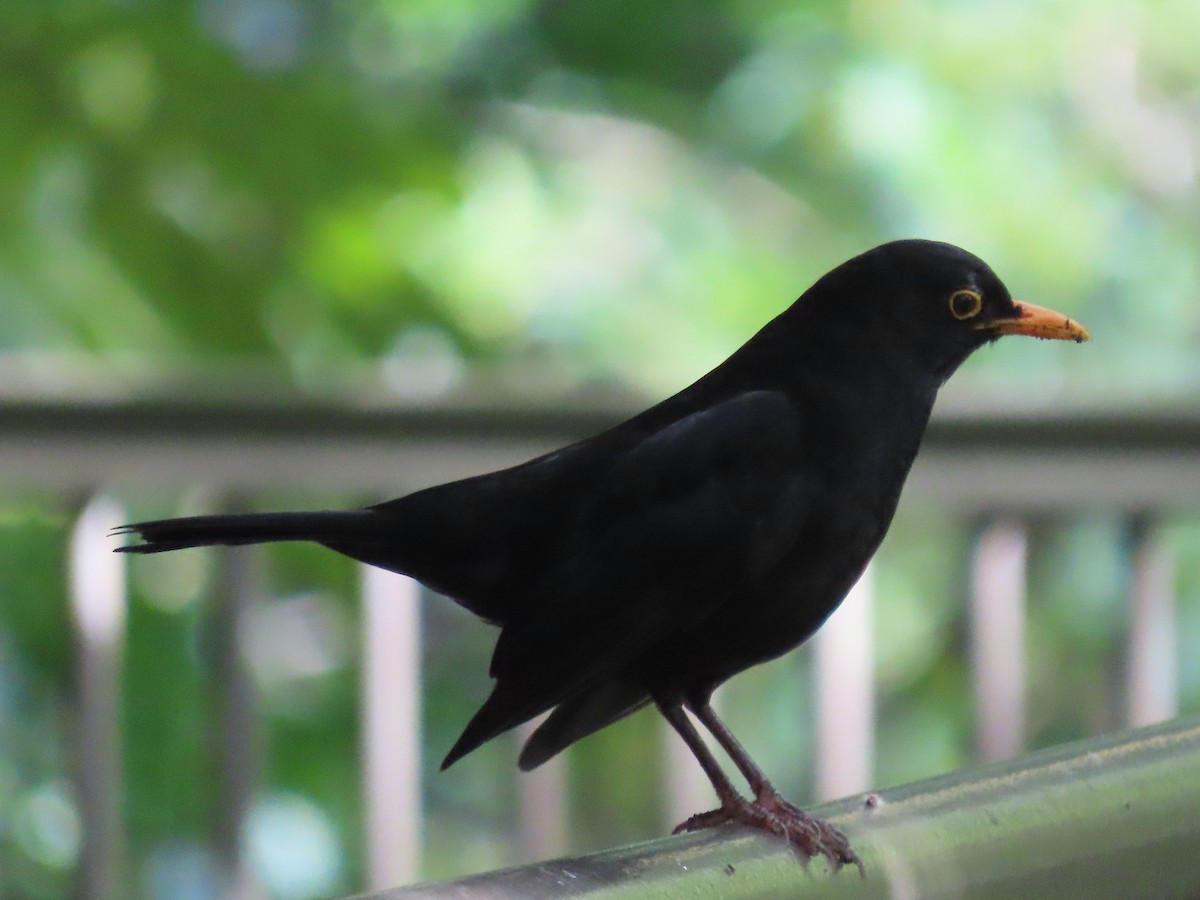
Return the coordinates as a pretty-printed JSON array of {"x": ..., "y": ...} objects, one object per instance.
[{"x": 769, "y": 812}]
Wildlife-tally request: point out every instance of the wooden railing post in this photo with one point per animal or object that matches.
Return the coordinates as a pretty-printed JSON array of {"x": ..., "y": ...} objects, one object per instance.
[
  {"x": 1152, "y": 661},
  {"x": 391, "y": 725},
  {"x": 98, "y": 610},
  {"x": 844, "y": 663},
  {"x": 542, "y": 810},
  {"x": 239, "y": 738},
  {"x": 997, "y": 627}
]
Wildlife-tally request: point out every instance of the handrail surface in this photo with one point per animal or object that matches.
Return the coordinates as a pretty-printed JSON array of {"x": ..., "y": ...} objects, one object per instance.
[{"x": 1111, "y": 817}]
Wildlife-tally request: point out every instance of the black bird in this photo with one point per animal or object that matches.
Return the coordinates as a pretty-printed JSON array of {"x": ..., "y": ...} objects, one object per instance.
[{"x": 714, "y": 531}]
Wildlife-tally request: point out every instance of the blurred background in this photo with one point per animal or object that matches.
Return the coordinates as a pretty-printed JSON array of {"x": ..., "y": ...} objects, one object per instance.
[{"x": 474, "y": 230}]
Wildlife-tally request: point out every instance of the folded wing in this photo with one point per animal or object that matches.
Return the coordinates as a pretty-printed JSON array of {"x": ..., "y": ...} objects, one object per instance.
[{"x": 675, "y": 525}]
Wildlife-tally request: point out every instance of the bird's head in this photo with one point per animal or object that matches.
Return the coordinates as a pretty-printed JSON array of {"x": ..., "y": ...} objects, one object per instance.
[{"x": 934, "y": 299}]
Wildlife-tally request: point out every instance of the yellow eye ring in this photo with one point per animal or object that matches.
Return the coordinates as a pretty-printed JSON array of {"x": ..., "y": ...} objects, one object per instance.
[{"x": 965, "y": 304}]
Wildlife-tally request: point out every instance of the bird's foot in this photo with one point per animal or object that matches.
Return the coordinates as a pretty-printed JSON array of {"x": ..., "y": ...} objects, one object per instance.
[{"x": 771, "y": 813}]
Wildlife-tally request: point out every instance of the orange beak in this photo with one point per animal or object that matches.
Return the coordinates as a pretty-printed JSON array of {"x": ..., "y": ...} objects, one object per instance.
[{"x": 1039, "y": 322}]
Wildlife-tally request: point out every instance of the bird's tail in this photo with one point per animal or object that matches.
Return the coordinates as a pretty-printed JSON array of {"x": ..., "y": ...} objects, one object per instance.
[{"x": 332, "y": 527}]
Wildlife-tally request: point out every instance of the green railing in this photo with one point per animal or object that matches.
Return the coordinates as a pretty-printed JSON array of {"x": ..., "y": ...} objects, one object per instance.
[{"x": 1116, "y": 816}]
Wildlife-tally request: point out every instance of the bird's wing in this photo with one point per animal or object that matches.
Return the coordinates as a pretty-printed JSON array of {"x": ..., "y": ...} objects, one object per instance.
[{"x": 663, "y": 539}]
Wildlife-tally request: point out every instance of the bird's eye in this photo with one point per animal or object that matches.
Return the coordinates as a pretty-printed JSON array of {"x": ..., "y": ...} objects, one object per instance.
[{"x": 965, "y": 304}]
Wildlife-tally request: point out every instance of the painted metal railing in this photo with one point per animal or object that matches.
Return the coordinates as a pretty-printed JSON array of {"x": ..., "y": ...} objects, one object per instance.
[{"x": 1112, "y": 817}]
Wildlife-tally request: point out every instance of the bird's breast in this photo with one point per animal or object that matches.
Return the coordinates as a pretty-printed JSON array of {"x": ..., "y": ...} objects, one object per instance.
[{"x": 822, "y": 539}]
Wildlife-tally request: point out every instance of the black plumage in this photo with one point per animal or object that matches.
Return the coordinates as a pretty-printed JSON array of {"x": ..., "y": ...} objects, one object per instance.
[{"x": 714, "y": 531}]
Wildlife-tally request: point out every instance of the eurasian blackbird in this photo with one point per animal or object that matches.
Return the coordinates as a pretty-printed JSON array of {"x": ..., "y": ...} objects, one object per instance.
[{"x": 714, "y": 531}]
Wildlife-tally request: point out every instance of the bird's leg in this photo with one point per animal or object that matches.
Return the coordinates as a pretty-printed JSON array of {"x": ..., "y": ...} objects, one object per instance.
[
  {"x": 726, "y": 792},
  {"x": 769, "y": 811},
  {"x": 730, "y": 744}
]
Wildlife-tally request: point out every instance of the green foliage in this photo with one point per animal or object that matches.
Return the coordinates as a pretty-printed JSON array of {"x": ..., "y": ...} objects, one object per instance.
[{"x": 409, "y": 188}]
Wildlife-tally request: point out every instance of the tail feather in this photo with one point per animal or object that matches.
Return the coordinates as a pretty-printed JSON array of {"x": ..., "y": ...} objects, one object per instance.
[
  {"x": 580, "y": 716},
  {"x": 248, "y": 528}
]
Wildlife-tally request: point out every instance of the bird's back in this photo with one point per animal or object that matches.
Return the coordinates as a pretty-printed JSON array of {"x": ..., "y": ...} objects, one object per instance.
[{"x": 490, "y": 541}]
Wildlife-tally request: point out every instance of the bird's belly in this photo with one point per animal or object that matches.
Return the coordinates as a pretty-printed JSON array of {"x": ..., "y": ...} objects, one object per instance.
[
  {"x": 816, "y": 559},
  {"x": 771, "y": 613}
]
